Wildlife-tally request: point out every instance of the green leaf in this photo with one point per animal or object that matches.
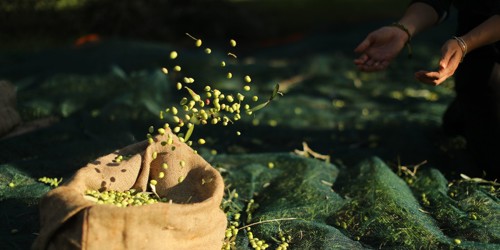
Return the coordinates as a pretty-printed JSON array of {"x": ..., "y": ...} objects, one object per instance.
[
  {"x": 275, "y": 91},
  {"x": 188, "y": 133},
  {"x": 193, "y": 94},
  {"x": 260, "y": 106}
]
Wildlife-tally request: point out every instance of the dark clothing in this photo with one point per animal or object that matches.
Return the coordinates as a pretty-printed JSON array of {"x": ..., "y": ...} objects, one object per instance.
[
  {"x": 470, "y": 14},
  {"x": 484, "y": 8},
  {"x": 475, "y": 112}
]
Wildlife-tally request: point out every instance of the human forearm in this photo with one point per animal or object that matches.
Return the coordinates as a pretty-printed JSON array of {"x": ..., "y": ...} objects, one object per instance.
[
  {"x": 381, "y": 46},
  {"x": 418, "y": 17},
  {"x": 484, "y": 34},
  {"x": 454, "y": 50}
]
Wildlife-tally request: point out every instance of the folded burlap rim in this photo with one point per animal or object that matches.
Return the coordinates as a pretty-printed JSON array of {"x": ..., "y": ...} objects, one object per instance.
[{"x": 192, "y": 219}]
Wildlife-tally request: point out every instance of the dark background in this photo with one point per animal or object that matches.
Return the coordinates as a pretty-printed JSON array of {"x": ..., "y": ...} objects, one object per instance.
[{"x": 27, "y": 24}]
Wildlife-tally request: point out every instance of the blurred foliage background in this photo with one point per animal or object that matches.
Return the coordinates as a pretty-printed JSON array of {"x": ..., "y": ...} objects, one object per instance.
[
  {"x": 46, "y": 46},
  {"x": 41, "y": 23}
]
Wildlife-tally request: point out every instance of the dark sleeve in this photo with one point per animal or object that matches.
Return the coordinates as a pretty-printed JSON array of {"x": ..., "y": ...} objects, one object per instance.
[
  {"x": 495, "y": 8},
  {"x": 442, "y": 7}
]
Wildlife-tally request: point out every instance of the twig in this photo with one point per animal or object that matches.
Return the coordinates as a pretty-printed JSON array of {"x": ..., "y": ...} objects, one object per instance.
[
  {"x": 308, "y": 151},
  {"x": 192, "y": 37},
  {"x": 266, "y": 221}
]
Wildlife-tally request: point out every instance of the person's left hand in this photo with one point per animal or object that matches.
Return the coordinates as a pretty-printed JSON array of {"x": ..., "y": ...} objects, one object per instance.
[{"x": 450, "y": 58}]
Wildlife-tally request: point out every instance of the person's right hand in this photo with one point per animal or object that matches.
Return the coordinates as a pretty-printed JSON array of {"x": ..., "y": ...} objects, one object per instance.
[
  {"x": 379, "y": 48},
  {"x": 451, "y": 56}
]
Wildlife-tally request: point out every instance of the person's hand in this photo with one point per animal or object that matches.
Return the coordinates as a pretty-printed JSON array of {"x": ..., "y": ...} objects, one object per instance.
[
  {"x": 450, "y": 58},
  {"x": 379, "y": 48}
]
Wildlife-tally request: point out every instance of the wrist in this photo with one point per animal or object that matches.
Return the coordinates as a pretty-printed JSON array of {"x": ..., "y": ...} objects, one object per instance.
[
  {"x": 463, "y": 46},
  {"x": 406, "y": 31},
  {"x": 403, "y": 28}
]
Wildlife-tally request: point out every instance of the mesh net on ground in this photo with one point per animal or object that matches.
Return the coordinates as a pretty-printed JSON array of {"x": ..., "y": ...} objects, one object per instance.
[{"x": 302, "y": 202}]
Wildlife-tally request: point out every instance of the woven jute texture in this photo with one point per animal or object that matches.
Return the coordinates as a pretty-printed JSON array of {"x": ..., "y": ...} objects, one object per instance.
[{"x": 191, "y": 219}]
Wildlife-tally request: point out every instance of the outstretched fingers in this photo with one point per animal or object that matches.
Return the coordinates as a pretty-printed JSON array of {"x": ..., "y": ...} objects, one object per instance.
[
  {"x": 365, "y": 44},
  {"x": 428, "y": 77},
  {"x": 373, "y": 65},
  {"x": 448, "y": 64},
  {"x": 361, "y": 59}
]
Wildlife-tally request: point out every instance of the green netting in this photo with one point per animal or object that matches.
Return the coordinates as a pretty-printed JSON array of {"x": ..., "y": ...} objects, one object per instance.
[
  {"x": 462, "y": 209},
  {"x": 295, "y": 187},
  {"x": 383, "y": 210},
  {"x": 28, "y": 190},
  {"x": 369, "y": 206}
]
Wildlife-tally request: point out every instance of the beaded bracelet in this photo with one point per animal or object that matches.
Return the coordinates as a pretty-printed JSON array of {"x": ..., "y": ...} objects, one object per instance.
[
  {"x": 463, "y": 46},
  {"x": 403, "y": 28}
]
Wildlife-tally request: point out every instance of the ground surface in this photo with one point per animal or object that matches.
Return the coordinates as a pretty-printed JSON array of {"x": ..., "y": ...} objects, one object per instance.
[{"x": 103, "y": 94}]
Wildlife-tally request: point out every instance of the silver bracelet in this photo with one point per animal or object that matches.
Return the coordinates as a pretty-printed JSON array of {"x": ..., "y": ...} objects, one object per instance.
[{"x": 462, "y": 45}]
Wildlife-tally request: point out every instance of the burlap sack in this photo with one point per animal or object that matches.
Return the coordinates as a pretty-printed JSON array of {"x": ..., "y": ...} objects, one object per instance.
[
  {"x": 192, "y": 220},
  {"x": 9, "y": 118}
]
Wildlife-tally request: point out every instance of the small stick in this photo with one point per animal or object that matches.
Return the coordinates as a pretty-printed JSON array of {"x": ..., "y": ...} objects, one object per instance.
[
  {"x": 266, "y": 221},
  {"x": 192, "y": 37}
]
